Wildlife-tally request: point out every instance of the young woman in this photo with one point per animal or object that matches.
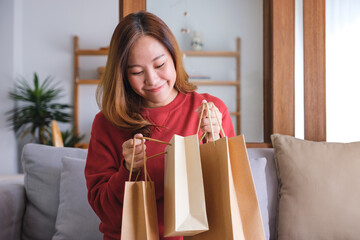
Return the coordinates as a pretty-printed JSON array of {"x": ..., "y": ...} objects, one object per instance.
[{"x": 144, "y": 92}]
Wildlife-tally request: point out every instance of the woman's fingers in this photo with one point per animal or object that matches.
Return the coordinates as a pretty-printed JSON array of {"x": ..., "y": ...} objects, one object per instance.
[
  {"x": 211, "y": 120},
  {"x": 212, "y": 129},
  {"x": 214, "y": 114},
  {"x": 128, "y": 152},
  {"x": 130, "y": 143},
  {"x": 213, "y": 110},
  {"x": 128, "y": 149},
  {"x": 198, "y": 110},
  {"x": 208, "y": 127},
  {"x": 137, "y": 165}
]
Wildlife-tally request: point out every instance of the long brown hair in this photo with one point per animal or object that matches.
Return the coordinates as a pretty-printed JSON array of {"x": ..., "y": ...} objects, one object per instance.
[{"x": 114, "y": 95}]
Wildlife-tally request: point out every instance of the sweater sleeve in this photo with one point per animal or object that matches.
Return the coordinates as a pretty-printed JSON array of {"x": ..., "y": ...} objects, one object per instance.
[
  {"x": 227, "y": 123},
  {"x": 104, "y": 172}
]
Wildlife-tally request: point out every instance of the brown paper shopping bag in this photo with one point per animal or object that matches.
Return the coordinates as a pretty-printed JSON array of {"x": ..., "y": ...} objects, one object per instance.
[
  {"x": 139, "y": 212},
  {"x": 184, "y": 197},
  {"x": 232, "y": 207},
  {"x": 139, "y": 218},
  {"x": 245, "y": 189}
]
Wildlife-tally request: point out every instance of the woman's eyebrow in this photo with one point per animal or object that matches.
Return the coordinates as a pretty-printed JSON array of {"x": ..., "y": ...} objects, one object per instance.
[{"x": 155, "y": 58}]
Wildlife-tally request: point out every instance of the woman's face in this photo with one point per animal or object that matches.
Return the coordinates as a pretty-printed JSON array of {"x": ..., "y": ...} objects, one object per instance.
[{"x": 151, "y": 72}]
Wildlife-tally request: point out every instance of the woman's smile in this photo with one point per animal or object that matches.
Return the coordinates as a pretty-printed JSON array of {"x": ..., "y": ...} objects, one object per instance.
[{"x": 155, "y": 89}]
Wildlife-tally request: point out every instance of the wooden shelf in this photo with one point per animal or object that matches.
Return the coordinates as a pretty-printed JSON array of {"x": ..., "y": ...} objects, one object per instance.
[
  {"x": 91, "y": 52},
  {"x": 237, "y": 83},
  {"x": 210, "y": 54}
]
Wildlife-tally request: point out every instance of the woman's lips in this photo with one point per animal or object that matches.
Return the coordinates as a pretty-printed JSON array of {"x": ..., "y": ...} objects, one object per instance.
[{"x": 153, "y": 90}]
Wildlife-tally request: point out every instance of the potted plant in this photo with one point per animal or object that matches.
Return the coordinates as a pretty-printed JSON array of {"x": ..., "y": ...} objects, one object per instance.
[{"x": 35, "y": 108}]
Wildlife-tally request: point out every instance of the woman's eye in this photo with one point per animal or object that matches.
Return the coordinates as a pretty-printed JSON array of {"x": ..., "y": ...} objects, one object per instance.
[
  {"x": 159, "y": 66},
  {"x": 136, "y": 73}
]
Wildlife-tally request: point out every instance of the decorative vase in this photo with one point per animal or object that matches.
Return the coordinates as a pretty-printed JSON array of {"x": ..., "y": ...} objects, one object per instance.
[{"x": 197, "y": 42}]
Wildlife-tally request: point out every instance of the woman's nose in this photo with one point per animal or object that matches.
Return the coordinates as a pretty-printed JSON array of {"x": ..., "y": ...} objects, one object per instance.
[{"x": 151, "y": 77}]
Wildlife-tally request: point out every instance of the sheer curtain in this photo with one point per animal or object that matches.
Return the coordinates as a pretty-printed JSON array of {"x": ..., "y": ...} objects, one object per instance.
[
  {"x": 299, "y": 70},
  {"x": 343, "y": 70}
]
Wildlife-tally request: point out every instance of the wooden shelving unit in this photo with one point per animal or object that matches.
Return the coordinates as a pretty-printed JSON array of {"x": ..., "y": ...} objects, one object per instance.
[
  {"x": 77, "y": 81},
  {"x": 103, "y": 52},
  {"x": 237, "y": 83}
]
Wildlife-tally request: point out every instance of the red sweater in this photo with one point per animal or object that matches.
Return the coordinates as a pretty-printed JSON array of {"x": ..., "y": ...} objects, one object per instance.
[{"x": 105, "y": 174}]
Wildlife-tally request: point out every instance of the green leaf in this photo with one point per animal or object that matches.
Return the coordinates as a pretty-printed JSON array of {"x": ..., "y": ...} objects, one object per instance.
[{"x": 35, "y": 107}]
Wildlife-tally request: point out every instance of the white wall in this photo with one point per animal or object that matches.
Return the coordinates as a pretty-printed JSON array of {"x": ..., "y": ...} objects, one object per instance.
[
  {"x": 220, "y": 22},
  {"x": 9, "y": 59},
  {"x": 50, "y": 50},
  {"x": 37, "y": 36}
]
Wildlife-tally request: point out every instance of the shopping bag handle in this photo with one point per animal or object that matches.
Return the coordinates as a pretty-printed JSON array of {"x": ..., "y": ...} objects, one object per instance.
[
  {"x": 144, "y": 155},
  {"x": 147, "y": 158},
  {"x": 206, "y": 105}
]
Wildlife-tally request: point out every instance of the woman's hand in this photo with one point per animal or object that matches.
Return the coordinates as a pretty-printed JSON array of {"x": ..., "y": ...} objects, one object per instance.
[
  {"x": 127, "y": 148},
  {"x": 205, "y": 121}
]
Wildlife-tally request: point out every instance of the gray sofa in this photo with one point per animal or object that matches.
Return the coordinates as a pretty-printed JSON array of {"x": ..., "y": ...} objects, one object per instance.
[{"x": 49, "y": 201}]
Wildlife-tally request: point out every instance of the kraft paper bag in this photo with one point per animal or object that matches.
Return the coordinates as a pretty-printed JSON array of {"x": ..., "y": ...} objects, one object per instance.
[
  {"x": 139, "y": 218},
  {"x": 231, "y": 201},
  {"x": 184, "y": 197},
  {"x": 139, "y": 212}
]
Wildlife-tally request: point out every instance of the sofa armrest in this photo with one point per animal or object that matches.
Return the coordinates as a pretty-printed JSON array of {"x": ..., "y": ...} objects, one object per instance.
[{"x": 12, "y": 206}]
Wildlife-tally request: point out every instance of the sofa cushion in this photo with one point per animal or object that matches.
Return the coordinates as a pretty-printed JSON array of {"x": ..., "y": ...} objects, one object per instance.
[
  {"x": 42, "y": 166},
  {"x": 258, "y": 166},
  {"x": 75, "y": 218},
  {"x": 271, "y": 183},
  {"x": 319, "y": 189}
]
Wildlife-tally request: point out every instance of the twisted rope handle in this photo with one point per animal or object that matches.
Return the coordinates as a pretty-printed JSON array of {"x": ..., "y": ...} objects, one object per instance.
[
  {"x": 206, "y": 105},
  {"x": 132, "y": 160}
]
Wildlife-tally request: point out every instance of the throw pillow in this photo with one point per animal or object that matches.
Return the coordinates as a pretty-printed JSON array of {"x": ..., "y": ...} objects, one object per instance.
[
  {"x": 257, "y": 166},
  {"x": 318, "y": 189},
  {"x": 42, "y": 167},
  {"x": 271, "y": 183},
  {"x": 75, "y": 218}
]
